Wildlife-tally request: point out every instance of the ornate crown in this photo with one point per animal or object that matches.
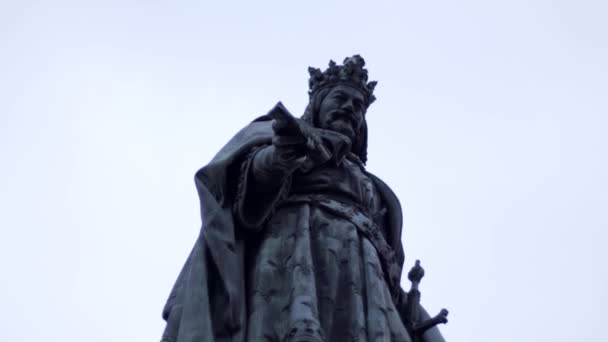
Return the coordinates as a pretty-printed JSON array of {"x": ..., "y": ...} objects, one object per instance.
[{"x": 351, "y": 73}]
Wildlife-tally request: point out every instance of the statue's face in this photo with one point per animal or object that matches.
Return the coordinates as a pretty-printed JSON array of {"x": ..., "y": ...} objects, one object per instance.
[{"x": 342, "y": 110}]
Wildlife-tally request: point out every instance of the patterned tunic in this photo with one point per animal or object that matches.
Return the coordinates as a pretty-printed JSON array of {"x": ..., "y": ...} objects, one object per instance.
[{"x": 312, "y": 274}]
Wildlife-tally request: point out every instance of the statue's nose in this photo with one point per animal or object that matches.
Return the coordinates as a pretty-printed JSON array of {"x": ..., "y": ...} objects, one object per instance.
[{"x": 348, "y": 105}]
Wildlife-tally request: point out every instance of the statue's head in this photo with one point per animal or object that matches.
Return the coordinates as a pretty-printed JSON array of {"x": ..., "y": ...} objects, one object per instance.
[{"x": 339, "y": 98}]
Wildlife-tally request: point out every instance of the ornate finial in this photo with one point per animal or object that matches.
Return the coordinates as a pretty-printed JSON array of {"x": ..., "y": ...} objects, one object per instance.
[
  {"x": 350, "y": 73},
  {"x": 415, "y": 327},
  {"x": 416, "y": 274}
]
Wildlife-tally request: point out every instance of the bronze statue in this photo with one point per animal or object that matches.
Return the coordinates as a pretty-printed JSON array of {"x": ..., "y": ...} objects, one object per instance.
[{"x": 299, "y": 241}]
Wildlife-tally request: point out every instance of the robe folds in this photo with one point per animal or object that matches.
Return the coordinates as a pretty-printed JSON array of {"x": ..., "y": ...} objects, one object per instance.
[{"x": 215, "y": 296}]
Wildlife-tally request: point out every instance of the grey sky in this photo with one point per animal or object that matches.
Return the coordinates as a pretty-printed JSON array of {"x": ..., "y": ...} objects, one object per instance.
[{"x": 490, "y": 125}]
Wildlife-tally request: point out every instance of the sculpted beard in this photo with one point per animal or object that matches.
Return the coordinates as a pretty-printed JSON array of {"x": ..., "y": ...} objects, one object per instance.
[{"x": 337, "y": 120}]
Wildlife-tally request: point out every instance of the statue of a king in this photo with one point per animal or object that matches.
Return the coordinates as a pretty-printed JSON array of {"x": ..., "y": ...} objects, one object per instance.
[{"x": 299, "y": 241}]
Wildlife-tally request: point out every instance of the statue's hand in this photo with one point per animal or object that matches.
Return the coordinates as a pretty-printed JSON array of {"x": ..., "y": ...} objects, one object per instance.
[
  {"x": 289, "y": 153},
  {"x": 283, "y": 124},
  {"x": 292, "y": 130},
  {"x": 289, "y": 142},
  {"x": 295, "y": 142},
  {"x": 300, "y": 145}
]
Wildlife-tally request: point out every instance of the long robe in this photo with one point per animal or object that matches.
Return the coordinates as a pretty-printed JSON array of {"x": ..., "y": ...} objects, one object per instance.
[{"x": 211, "y": 299}]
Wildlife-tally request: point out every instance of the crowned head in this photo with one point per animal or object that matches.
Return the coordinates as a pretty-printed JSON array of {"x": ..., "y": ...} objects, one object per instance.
[
  {"x": 339, "y": 98},
  {"x": 351, "y": 73}
]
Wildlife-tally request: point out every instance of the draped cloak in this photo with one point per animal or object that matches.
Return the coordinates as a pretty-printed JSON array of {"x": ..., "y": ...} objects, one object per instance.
[{"x": 208, "y": 301}]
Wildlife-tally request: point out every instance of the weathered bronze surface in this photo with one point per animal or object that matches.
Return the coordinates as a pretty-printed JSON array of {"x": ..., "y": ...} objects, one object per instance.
[{"x": 299, "y": 241}]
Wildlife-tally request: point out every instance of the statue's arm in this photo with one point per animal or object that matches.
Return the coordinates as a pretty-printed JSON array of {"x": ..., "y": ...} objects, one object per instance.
[
  {"x": 272, "y": 165},
  {"x": 265, "y": 175},
  {"x": 265, "y": 179}
]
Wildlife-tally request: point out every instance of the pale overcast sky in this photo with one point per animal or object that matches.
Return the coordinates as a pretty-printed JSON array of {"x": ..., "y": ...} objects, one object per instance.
[{"x": 490, "y": 125}]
